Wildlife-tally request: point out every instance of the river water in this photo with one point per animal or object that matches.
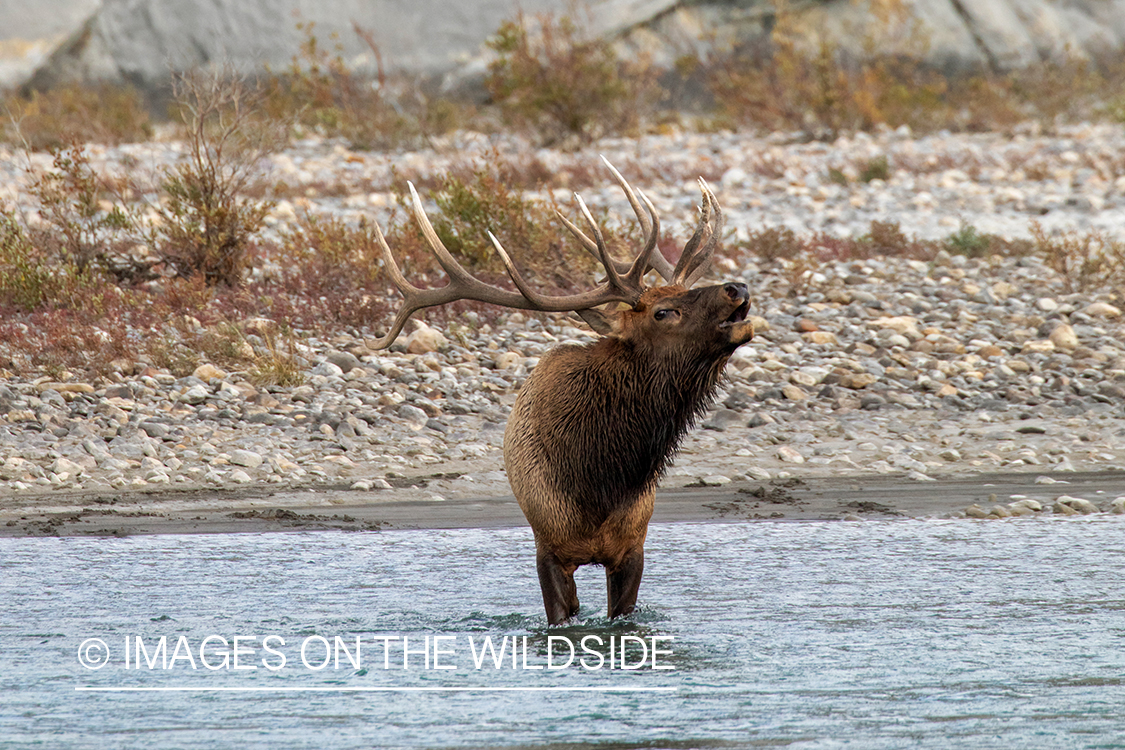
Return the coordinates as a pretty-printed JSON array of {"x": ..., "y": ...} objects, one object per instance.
[{"x": 881, "y": 634}]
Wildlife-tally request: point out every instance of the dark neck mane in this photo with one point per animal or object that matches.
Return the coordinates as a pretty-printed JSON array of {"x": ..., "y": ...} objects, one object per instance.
[{"x": 632, "y": 409}]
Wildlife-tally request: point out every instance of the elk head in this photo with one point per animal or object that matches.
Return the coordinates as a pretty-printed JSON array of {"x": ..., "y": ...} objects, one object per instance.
[{"x": 673, "y": 317}]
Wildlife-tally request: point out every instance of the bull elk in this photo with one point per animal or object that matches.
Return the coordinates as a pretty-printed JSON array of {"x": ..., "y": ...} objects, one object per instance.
[{"x": 595, "y": 426}]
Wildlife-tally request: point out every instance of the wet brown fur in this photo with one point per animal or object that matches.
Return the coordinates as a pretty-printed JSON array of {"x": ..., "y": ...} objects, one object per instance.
[{"x": 595, "y": 427}]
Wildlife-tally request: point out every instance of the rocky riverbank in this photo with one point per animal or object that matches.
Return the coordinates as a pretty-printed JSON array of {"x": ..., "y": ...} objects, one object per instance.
[{"x": 887, "y": 365}]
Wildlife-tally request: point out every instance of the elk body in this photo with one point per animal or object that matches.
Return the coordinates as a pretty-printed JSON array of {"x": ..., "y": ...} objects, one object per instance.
[{"x": 595, "y": 426}]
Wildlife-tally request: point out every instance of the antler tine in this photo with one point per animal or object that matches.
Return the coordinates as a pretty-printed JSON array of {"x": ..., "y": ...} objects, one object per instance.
[
  {"x": 696, "y": 257},
  {"x": 650, "y": 224},
  {"x": 645, "y": 260},
  {"x": 612, "y": 275},
  {"x": 607, "y": 292},
  {"x": 461, "y": 284}
]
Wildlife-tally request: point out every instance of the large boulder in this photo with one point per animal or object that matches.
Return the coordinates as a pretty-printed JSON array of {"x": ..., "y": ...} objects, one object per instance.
[
  {"x": 140, "y": 41},
  {"x": 32, "y": 31}
]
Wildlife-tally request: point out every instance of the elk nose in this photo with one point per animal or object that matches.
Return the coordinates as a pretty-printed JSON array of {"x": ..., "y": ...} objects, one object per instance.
[{"x": 736, "y": 291}]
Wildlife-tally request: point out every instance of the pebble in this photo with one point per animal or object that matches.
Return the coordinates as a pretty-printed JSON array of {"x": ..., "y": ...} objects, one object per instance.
[
  {"x": 714, "y": 480},
  {"x": 878, "y": 364}
]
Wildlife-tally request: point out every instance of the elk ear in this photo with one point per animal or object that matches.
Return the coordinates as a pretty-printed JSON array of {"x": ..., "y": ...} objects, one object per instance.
[{"x": 596, "y": 319}]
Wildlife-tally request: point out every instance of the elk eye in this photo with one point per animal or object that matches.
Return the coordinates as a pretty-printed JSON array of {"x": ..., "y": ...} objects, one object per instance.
[{"x": 662, "y": 314}]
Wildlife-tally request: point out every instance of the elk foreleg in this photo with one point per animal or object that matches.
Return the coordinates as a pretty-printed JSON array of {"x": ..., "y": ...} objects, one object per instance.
[
  {"x": 622, "y": 583},
  {"x": 560, "y": 596}
]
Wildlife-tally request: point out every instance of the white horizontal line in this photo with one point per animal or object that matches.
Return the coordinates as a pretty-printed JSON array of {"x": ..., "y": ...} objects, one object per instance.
[{"x": 452, "y": 689}]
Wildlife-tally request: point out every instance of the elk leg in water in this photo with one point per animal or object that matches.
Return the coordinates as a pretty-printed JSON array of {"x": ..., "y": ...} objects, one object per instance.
[
  {"x": 560, "y": 596},
  {"x": 622, "y": 583}
]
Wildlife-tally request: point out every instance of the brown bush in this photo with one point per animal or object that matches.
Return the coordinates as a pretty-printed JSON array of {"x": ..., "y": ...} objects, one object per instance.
[{"x": 560, "y": 81}]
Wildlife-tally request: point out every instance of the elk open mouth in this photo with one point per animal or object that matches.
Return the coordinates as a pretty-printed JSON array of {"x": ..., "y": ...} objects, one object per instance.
[{"x": 737, "y": 316}]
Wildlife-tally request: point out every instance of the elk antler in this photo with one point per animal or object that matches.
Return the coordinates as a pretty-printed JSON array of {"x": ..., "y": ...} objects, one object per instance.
[
  {"x": 696, "y": 257},
  {"x": 618, "y": 287},
  {"x": 650, "y": 226},
  {"x": 624, "y": 281}
]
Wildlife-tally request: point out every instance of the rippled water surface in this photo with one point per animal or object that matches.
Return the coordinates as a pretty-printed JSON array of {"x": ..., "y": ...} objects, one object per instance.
[{"x": 947, "y": 634}]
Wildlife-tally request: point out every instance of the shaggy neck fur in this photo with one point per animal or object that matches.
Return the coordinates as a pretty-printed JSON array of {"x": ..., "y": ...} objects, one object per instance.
[{"x": 628, "y": 409}]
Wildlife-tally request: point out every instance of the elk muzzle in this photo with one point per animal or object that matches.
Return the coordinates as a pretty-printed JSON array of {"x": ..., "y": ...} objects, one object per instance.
[{"x": 738, "y": 328}]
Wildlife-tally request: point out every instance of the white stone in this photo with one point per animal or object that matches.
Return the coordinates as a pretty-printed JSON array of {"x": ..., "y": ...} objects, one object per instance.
[
  {"x": 249, "y": 459},
  {"x": 790, "y": 455}
]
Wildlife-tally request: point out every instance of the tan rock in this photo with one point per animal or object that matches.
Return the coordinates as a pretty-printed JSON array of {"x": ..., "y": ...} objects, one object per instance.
[
  {"x": 259, "y": 326},
  {"x": 425, "y": 340},
  {"x": 65, "y": 387},
  {"x": 1063, "y": 337},
  {"x": 794, "y": 393},
  {"x": 1077, "y": 504},
  {"x": 857, "y": 380},
  {"x": 207, "y": 372},
  {"x": 790, "y": 455},
  {"x": 903, "y": 324},
  {"x": 1038, "y": 347},
  {"x": 802, "y": 378},
  {"x": 990, "y": 351},
  {"x": 508, "y": 361},
  {"x": 1001, "y": 290},
  {"x": 1103, "y": 310},
  {"x": 821, "y": 337}
]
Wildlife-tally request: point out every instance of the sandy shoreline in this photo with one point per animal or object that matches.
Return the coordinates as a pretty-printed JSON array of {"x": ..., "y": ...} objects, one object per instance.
[{"x": 261, "y": 509}]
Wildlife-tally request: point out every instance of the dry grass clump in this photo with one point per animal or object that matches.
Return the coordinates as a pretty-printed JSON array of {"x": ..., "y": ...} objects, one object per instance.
[
  {"x": 799, "y": 81},
  {"x": 1084, "y": 260},
  {"x": 76, "y": 113},
  {"x": 795, "y": 256}
]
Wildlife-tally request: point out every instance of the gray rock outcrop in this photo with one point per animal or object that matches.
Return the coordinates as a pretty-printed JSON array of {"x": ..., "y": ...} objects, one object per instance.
[{"x": 140, "y": 41}]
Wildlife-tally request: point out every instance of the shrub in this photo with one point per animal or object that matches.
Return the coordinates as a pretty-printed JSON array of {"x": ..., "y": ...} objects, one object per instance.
[
  {"x": 559, "y": 81},
  {"x": 207, "y": 221},
  {"x": 471, "y": 205},
  {"x": 969, "y": 242},
  {"x": 24, "y": 277},
  {"x": 875, "y": 169},
  {"x": 331, "y": 274},
  {"x": 87, "y": 221},
  {"x": 774, "y": 243}
]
